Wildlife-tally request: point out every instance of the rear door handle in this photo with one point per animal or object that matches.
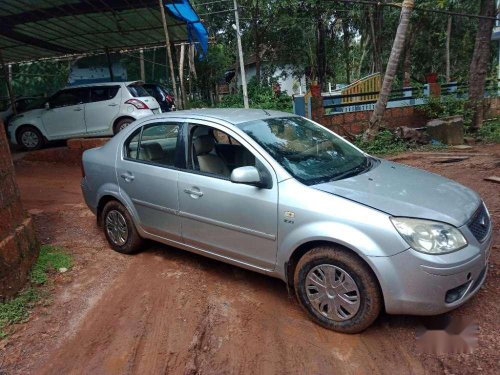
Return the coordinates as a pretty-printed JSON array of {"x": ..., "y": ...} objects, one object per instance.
[
  {"x": 128, "y": 177},
  {"x": 194, "y": 193}
]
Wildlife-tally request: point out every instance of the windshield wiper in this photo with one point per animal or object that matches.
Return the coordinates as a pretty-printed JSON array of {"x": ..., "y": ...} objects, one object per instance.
[{"x": 354, "y": 171}]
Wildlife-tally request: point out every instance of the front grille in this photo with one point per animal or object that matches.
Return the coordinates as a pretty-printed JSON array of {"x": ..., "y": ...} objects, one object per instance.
[{"x": 480, "y": 223}]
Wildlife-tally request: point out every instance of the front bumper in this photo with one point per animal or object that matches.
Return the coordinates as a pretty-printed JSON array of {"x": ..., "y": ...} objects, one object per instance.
[{"x": 414, "y": 283}]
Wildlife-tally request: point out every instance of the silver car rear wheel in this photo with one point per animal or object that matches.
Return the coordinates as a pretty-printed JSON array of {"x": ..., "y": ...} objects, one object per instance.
[
  {"x": 116, "y": 227},
  {"x": 332, "y": 292}
]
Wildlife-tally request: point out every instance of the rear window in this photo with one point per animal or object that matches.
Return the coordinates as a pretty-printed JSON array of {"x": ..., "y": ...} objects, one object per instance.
[{"x": 137, "y": 90}]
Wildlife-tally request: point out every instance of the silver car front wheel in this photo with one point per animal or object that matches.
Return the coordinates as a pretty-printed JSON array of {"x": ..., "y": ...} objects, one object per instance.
[{"x": 332, "y": 292}]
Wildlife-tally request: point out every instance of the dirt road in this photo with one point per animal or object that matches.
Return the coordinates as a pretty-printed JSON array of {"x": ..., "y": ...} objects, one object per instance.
[{"x": 171, "y": 312}]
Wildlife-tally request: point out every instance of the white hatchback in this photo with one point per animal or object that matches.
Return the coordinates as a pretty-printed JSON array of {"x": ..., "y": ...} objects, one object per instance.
[{"x": 92, "y": 110}]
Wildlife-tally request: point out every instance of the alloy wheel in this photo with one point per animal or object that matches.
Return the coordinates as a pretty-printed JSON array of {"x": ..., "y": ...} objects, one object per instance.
[
  {"x": 116, "y": 227},
  {"x": 332, "y": 292}
]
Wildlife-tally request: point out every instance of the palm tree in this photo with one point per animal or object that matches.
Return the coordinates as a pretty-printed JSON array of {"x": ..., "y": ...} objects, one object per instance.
[{"x": 390, "y": 72}]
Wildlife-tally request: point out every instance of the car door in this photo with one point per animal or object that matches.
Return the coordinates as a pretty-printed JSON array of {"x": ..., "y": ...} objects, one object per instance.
[
  {"x": 102, "y": 109},
  {"x": 65, "y": 117},
  {"x": 147, "y": 174},
  {"x": 235, "y": 221}
]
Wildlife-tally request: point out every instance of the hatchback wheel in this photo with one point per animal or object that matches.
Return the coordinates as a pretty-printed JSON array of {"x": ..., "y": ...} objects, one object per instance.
[
  {"x": 120, "y": 229},
  {"x": 30, "y": 138},
  {"x": 122, "y": 124},
  {"x": 337, "y": 289}
]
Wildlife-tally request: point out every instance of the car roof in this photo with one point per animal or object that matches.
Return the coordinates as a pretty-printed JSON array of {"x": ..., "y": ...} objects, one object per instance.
[
  {"x": 232, "y": 115},
  {"x": 103, "y": 84}
]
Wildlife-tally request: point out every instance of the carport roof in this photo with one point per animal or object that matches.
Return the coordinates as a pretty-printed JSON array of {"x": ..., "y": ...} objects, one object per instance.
[{"x": 32, "y": 30}]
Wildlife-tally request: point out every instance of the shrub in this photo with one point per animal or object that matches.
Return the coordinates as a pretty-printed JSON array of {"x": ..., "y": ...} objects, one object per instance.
[
  {"x": 490, "y": 131},
  {"x": 384, "y": 143},
  {"x": 446, "y": 106}
]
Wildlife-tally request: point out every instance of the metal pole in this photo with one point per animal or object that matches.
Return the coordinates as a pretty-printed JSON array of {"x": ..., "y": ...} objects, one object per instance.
[
  {"x": 7, "y": 81},
  {"x": 169, "y": 52},
  {"x": 110, "y": 65},
  {"x": 141, "y": 63},
  {"x": 240, "y": 54}
]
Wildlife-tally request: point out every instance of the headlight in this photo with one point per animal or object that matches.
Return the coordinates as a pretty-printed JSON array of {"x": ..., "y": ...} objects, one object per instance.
[{"x": 429, "y": 237}]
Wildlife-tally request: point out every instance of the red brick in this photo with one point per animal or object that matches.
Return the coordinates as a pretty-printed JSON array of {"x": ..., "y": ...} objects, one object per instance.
[{"x": 357, "y": 128}]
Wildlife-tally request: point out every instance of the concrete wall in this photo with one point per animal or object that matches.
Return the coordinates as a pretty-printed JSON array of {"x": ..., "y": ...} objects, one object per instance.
[{"x": 18, "y": 245}]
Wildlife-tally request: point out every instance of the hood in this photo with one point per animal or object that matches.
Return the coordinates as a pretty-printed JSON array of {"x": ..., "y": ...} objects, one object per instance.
[
  {"x": 32, "y": 113},
  {"x": 405, "y": 191}
]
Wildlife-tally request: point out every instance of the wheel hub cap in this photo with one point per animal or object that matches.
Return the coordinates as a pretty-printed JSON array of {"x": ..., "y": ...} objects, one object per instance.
[
  {"x": 29, "y": 139},
  {"x": 116, "y": 227},
  {"x": 332, "y": 292}
]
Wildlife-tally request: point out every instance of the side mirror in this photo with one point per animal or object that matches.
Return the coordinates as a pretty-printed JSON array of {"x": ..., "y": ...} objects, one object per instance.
[
  {"x": 47, "y": 105},
  {"x": 247, "y": 176}
]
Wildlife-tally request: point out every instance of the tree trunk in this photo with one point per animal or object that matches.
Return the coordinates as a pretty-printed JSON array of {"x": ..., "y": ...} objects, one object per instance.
[
  {"x": 407, "y": 60},
  {"x": 375, "y": 19},
  {"x": 345, "y": 31},
  {"x": 447, "y": 52},
  {"x": 363, "y": 55},
  {"x": 480, "y": 63},
  {"x": 390, "y": 72},
  {"x": 320, "y": 50},
  {"x": 255, "y": 27}
]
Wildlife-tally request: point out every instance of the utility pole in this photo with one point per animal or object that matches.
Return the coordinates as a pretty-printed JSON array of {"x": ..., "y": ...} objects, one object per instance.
[
  {"x": 240, "y": 54},
  {"x": 169, "y": 52}
]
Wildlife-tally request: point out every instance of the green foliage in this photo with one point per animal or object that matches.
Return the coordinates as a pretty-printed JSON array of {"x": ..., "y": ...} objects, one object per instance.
[
  {"x": 446, "y": 106},
  {"x": 490, "y": 131},
  {"x": 384, "y": 143},
  {"x": 259, "y": 96},
  {"x": 50, "y": 258},
  {"x": 17, "y": 309}
]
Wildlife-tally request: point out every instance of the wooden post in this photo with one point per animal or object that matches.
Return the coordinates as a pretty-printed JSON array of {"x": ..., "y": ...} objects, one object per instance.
[
  {"x": 110, "y": 65},
  {"x": 8, "y": 82},
  {"x": 169, "y": 52}
]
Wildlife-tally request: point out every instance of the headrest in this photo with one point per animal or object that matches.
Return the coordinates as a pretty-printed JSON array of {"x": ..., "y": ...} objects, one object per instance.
[
  {"x": 203, "y": 144},
  {"x": 152, "y": 151}
]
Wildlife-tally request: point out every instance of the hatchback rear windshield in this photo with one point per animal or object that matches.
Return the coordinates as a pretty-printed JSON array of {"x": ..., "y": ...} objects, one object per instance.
[{"x": 137, "y": 90}]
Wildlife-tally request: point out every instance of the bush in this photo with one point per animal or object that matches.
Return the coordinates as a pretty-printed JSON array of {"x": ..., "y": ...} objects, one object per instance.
[
  {"x": 490, "y": 131},
  {"x": 446, "y": 106},
  {"x": 384, "y": 143},
  {"x": 260, "y": 95}
]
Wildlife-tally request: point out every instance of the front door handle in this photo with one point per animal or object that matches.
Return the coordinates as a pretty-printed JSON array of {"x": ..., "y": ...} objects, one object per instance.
[
  {"x": 78, "y": 109},
  {"x": 128, "y": 177},
  {"x": 112, "y": 105},
  {"x": 194, "y": 193}
]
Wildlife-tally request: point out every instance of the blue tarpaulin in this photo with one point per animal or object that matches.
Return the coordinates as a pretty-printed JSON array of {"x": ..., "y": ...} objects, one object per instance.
[{"x": 183, "y": 11}]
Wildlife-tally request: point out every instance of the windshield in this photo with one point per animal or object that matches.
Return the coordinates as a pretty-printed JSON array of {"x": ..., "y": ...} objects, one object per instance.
[{"x": 307, "y": 151}]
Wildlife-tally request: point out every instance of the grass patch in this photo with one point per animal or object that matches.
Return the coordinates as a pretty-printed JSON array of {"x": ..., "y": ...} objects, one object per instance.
[
  {"x": 50, "y": 258},
  {"x": 17, "y": 310}
]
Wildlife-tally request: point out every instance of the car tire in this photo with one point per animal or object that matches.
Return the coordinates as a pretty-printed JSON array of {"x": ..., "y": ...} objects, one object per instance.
[
  {"x": 122, "y": 124},
  {"x": 29, "y": 138},
  {"x": 337, "y": 289},
  {"x": 119, "y": 229}
]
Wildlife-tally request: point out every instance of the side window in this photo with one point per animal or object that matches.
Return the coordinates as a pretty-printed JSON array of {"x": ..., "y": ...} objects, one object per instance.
[
  {"x": 132, "y": 144},
  {"x": 69, "y": 97},
  {"x": 215, "y": 152},
  {"x": 156, "y": 144}
]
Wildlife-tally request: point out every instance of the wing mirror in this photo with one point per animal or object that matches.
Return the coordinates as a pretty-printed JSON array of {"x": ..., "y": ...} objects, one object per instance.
[
  {"x": 47, "y": 105},
  {"x": 248, "y": 176}
]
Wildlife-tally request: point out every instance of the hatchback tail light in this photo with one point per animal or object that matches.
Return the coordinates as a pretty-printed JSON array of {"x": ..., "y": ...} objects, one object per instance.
[{"x": 137, "y": 103}]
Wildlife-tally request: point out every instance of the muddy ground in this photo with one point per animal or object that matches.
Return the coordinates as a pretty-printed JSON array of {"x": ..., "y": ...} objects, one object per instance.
[{"x": 172, "y": 312}]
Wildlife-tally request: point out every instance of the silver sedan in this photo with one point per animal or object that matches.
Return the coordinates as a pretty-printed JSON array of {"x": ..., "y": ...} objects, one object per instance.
[{"x": 281, "y": 195}]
